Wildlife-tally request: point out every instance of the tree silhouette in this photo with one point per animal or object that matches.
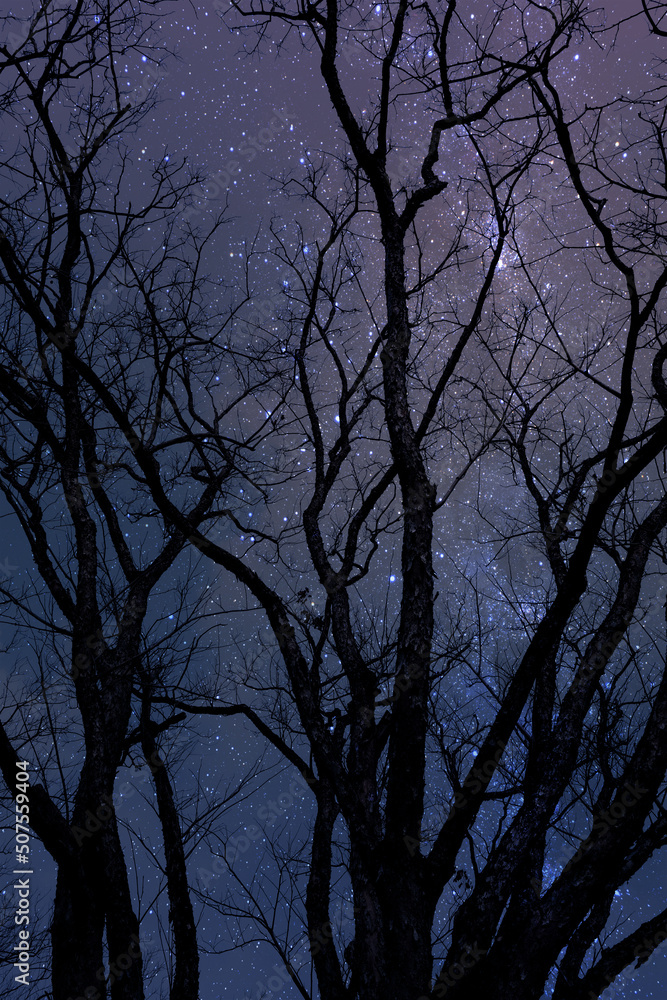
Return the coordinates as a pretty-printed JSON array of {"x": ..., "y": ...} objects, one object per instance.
[
  {"x": 103, "y": 560},
  {"x": 448, "y": 428}
]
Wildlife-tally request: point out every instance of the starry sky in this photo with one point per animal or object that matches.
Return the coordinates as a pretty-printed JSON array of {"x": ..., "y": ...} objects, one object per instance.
[{"x": 247, "y": 121}]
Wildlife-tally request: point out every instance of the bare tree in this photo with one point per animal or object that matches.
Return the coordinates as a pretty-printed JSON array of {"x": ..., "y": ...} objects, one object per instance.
[
  {"x": 75, "y": 286},
  {"x": 564, "y": 733},
  {"x": 480, "y": 800}
]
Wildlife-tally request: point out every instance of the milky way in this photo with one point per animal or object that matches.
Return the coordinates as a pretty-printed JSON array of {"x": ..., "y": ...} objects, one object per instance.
[{"x": 250, "y": 122}]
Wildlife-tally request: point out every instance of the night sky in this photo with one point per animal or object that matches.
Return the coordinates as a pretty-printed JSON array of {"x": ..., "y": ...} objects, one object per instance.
[{"x": 247, "y": 121}]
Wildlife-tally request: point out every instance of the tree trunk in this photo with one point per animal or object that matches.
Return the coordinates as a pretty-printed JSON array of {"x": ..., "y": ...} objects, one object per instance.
[
  {"x": 77, "y": 933},
  {"x": 185, "y": 982}
]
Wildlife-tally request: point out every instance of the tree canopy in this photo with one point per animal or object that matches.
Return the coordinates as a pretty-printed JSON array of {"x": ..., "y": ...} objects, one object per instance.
[{"x": 425, "y": 468}]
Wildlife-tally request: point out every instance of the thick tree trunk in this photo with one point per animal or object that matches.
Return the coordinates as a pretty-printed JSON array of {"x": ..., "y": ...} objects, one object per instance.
[
  {"x": 77, "y": 933},
  {"x": 92, "y": 895},
  {"x": 392, "y": 946},
  {"x": 409, "y": 921},
  {"x": 122, "y": 927}
]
